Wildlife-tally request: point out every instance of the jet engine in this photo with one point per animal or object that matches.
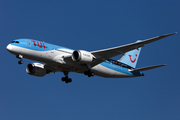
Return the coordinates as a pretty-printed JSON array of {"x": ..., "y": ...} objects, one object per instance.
[
  {"x": 82, "y": 56},
  {"x": 36, "y": 69}
]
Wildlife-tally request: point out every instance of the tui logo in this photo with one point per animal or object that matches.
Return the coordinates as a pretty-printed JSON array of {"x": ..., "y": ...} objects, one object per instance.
[{"x": 131, "y": 58}]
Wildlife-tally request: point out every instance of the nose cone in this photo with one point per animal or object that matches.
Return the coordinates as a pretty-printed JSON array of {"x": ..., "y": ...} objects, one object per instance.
[{"x": 9, "y": 47}]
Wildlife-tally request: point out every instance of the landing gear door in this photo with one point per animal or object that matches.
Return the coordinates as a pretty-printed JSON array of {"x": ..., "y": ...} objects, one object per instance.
[{"x": 28, "y": 43}]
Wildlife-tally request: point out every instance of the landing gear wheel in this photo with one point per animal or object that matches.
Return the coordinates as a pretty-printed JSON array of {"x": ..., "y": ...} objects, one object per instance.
[
  {"x": 63, "y": 79},
  {"x": 19, "y": 57},
  {"x": 66, "y": 79},
  {"x": 89, "y": 73},
  {"x": 70, "y": 80},
  {"x": 20, "y": 62}
]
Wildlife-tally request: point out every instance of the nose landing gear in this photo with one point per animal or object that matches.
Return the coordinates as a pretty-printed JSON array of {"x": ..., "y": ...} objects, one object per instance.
[
  {"x": 20, "y": 62},
  {"x": 19, "y": 57}
]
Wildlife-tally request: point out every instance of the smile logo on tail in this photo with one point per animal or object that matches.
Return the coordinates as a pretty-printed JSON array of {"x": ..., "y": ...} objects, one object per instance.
[{"x": 131, "y": 58}]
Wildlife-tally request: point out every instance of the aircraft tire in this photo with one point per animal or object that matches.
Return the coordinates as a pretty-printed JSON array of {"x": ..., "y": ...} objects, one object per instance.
[
  {"x": 63, "y": 79},
  {"x": 70, "y": 80},
  {"x": 20, "y": 62},
  {"x": 66, "y": 80}
]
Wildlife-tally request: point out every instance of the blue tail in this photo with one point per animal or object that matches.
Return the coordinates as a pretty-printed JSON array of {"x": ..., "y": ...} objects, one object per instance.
[{"x": 130, "y": 58}]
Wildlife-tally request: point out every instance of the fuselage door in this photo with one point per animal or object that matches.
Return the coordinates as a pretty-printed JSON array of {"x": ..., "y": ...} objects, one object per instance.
[{"x": 28, "y": 43}]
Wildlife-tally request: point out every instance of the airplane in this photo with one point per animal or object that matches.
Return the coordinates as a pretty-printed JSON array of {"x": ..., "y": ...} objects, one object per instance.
[{"x": 61, "y": 59}]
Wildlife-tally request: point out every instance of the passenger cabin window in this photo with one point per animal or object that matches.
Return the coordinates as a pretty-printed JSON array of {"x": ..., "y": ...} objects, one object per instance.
[{"x": 120, "y": 64}]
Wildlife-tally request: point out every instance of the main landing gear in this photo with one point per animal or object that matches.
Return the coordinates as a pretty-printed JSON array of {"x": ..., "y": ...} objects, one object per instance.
[
  {"x": 89, "y": 73},
  {"x": 66, "y": 79},
  {"x": 20, "y": 57}
]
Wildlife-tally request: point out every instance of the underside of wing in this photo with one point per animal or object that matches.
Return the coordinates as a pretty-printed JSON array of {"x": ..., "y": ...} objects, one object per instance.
[
  {"x": 50, "y": 68},
  {"x": 106, "y": 54}
]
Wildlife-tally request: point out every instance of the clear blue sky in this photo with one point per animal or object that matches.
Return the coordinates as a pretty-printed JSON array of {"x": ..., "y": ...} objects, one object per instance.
[{"x": 91, "y": 25}]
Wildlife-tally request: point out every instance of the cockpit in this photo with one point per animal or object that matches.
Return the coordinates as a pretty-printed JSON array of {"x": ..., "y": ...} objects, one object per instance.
[{"x": 15, "y": 42}]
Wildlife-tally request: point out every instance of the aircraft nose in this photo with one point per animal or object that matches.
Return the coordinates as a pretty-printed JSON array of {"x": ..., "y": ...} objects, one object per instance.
[{"x": 9, "y": 47}]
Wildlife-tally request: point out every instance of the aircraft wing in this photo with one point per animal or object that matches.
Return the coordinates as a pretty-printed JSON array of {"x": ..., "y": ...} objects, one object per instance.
[{"x": 106, "y": 54}]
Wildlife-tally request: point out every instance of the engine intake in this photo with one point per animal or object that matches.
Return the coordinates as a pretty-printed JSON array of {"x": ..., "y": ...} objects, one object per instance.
[
  {"x": 82, "y": 56},
  {"x": 36, "y": 69}
]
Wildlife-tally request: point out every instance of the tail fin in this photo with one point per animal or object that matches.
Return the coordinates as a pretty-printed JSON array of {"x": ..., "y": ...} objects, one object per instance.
[{"x": 130, "y": 58}]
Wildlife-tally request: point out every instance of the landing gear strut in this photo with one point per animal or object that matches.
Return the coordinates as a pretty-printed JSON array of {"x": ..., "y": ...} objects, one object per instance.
[
  {"x": 66, "y": 79},
  {"x": 20, "y": 57}
]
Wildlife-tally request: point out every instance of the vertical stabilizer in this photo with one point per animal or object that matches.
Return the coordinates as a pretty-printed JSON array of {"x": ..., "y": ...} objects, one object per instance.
[{"x": 130, "y": 58}]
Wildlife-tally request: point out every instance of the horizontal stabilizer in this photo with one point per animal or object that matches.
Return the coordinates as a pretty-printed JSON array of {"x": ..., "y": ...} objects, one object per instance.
[{"x": 146, "y": 68}]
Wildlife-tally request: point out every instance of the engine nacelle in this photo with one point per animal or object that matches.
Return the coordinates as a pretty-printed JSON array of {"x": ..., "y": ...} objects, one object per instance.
[
  {"x": 36, "y": 69},
  {"x": 82, "y": 56}
]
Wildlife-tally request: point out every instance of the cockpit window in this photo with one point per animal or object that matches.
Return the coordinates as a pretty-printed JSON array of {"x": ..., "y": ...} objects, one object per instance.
[{"x": 15, "y": 42}]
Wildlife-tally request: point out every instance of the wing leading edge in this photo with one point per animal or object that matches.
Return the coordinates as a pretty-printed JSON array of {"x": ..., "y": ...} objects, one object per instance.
[{"x": 106, "y": 54}]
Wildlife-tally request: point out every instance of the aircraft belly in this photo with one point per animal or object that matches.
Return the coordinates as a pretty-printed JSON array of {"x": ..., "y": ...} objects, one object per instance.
[
  {"x": 57, "y": 62},
  {"x": 109, "y": 73}
]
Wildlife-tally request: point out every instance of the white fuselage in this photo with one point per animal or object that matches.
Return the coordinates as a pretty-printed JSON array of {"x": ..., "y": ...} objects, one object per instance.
[{"x": 54, "y": 57}]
